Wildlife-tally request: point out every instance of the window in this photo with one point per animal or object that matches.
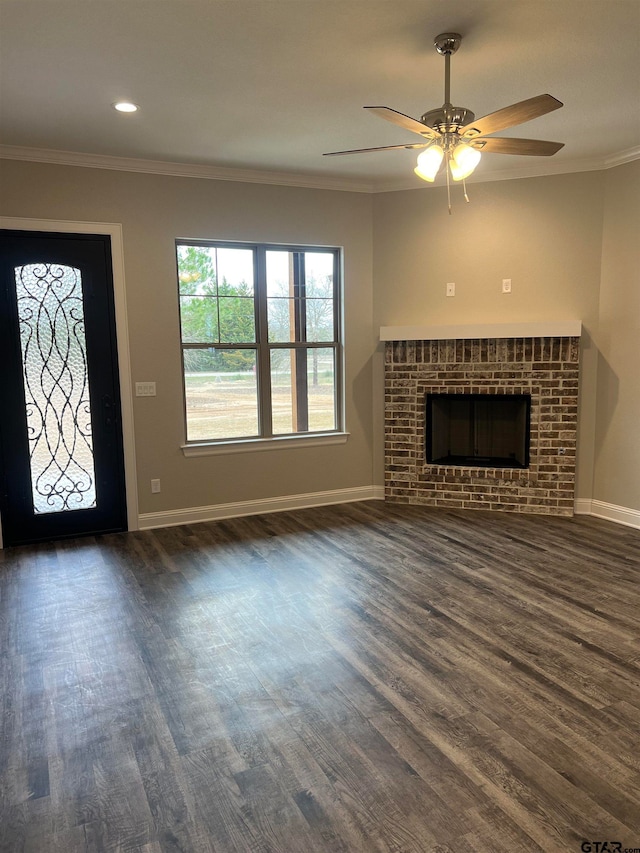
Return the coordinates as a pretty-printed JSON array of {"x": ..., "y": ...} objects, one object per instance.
[{"x": 261, "y": 346}]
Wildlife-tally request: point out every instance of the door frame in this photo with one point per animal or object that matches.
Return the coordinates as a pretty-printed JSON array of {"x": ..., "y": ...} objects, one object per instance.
[{"x": 114, "y": 231}]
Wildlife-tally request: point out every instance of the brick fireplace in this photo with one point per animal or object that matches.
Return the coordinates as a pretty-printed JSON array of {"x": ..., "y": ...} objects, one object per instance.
[{"x": 540, "y": 360}]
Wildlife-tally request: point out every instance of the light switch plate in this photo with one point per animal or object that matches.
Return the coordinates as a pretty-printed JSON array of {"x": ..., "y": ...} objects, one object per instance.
[{"x": 145, "y": 389}]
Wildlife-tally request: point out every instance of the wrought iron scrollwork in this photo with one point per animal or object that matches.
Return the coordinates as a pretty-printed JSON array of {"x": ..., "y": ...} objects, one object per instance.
[{"x": 56, "y": 386}]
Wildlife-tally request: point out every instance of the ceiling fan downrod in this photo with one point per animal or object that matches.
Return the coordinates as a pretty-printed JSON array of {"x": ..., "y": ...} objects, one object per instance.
[
  {"x": 447, "y": 44},
  {"x": 447, "y": 118}
]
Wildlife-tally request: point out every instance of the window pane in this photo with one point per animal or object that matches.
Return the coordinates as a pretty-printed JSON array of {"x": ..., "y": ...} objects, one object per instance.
[
  {"x": 302, "y": 390},
  {"x": 237, "y": 320},
  {"x": 197, "y": 270},
  {"x": 319, "y": 292},
  {"x": 319, "y": 274},
  {"x": 279, "y": 273},
  {"x": 221, "y": 393},
  {"x": 319, "y": 319},
  {"x": 56, "y": 387},
  {"x": 235, "y": 272},
  {"x": 305, "y": 313},
  {"x": 321, "y": 389},
  {"x": 199, "y": 319},
  {"x": 283, "y": 408},
  {"x": 281, "y": 318},
  {"x": 280, "y": 289}
]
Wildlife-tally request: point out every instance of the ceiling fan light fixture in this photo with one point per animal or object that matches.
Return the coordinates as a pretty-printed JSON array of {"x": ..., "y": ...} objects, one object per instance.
[
  {"x": 429, "y": 163},
  {"x": 464, "y": 160},
  {"x": 455, "y": 135}
]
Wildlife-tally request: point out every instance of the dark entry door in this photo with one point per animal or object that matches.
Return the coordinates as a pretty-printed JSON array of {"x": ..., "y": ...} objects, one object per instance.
[{"x": 61, "y": 455}]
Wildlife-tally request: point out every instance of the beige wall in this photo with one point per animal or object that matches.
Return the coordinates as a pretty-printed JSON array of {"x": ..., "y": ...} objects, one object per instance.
[
  {"x": 543, "y": 233},
  {"x": 568, "y": 242},
  {"x": 154, "y": 210},
  {"x": 617, "y": 438}
]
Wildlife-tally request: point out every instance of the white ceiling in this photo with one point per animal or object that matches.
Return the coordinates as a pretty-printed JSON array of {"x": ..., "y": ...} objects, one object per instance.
[{"x": 270, "y": 85}]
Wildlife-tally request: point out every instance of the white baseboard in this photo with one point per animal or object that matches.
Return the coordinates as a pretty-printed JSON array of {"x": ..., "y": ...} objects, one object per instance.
[
  {"x": 610, "y": 512},
  {"x": 217, "y": 512},
  {"x": 193, "y": 515},
  {"x": 582, "y": 506}
]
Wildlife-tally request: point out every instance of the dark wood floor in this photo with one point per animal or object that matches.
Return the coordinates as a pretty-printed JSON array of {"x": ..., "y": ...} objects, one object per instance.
[{"x": 367, "y": 677}]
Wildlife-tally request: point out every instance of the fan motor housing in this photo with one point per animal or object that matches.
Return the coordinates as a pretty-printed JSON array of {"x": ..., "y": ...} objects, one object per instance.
[{"x": 447, "y": 119}]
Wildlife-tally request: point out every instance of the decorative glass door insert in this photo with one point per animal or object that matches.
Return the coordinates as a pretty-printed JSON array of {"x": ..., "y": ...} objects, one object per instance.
[{"x": 56, "y": 387}]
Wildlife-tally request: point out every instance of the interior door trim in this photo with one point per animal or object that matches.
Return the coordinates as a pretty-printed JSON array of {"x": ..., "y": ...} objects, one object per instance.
[{"x": 114, "y": 231}]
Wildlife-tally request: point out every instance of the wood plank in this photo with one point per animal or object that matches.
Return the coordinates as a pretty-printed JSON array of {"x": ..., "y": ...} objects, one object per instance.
[{"x": 367, "y": 677}]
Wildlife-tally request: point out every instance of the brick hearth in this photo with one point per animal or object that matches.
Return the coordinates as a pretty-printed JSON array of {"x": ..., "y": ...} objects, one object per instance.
[{"x": 544, "y": 367}]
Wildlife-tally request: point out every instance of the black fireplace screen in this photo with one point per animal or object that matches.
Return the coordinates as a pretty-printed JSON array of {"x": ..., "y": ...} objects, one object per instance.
[{"x": 490, "y": 430}]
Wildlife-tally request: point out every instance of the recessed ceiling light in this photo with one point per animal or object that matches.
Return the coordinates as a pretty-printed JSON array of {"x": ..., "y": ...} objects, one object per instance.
[{"x": 126, "y": 107}]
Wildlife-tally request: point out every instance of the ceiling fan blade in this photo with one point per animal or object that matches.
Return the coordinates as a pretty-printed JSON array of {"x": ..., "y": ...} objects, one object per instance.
[
  {"x": 510, "y": 116},
  {"x": 405, "y": 121},
  {"x": 533, "y": 147},
  {"x": 382, "y": 148}
]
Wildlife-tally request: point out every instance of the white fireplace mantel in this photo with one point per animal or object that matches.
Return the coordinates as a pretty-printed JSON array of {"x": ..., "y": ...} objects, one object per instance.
[{"x": 476, "y": 331}]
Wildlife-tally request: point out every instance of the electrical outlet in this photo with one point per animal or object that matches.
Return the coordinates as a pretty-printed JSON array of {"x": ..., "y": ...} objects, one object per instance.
[
  {"x": 451, "y": 288},
  {"x": 506, "y": 285},
  {"x": 145, "y": 389},
  {"x": 155, "y": 487}
]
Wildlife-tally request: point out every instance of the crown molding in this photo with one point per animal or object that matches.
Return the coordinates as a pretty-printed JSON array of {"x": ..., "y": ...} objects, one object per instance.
[
  {"x": 538, "y": 170},
  {"x": 287, "y": 179},
  {"x": 180, "y": 170},
  {"x": 622, "y": 157}
]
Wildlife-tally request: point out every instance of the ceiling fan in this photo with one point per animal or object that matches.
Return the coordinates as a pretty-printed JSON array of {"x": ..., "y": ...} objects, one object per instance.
[{"x": 455, "y": 135}]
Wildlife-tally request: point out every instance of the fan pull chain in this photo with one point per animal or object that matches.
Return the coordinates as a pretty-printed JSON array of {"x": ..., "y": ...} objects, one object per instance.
[
  {"x": 464, "y": 187},
  {"x": 448, "y": 185}
]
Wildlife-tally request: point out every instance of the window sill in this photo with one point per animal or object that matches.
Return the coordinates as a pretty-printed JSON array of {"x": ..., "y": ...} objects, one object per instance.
[{"x": 251, "y": 445}]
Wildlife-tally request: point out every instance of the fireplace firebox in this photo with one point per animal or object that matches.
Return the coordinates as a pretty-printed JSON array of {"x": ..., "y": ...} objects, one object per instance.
[{"x": 485, "y": 430}]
